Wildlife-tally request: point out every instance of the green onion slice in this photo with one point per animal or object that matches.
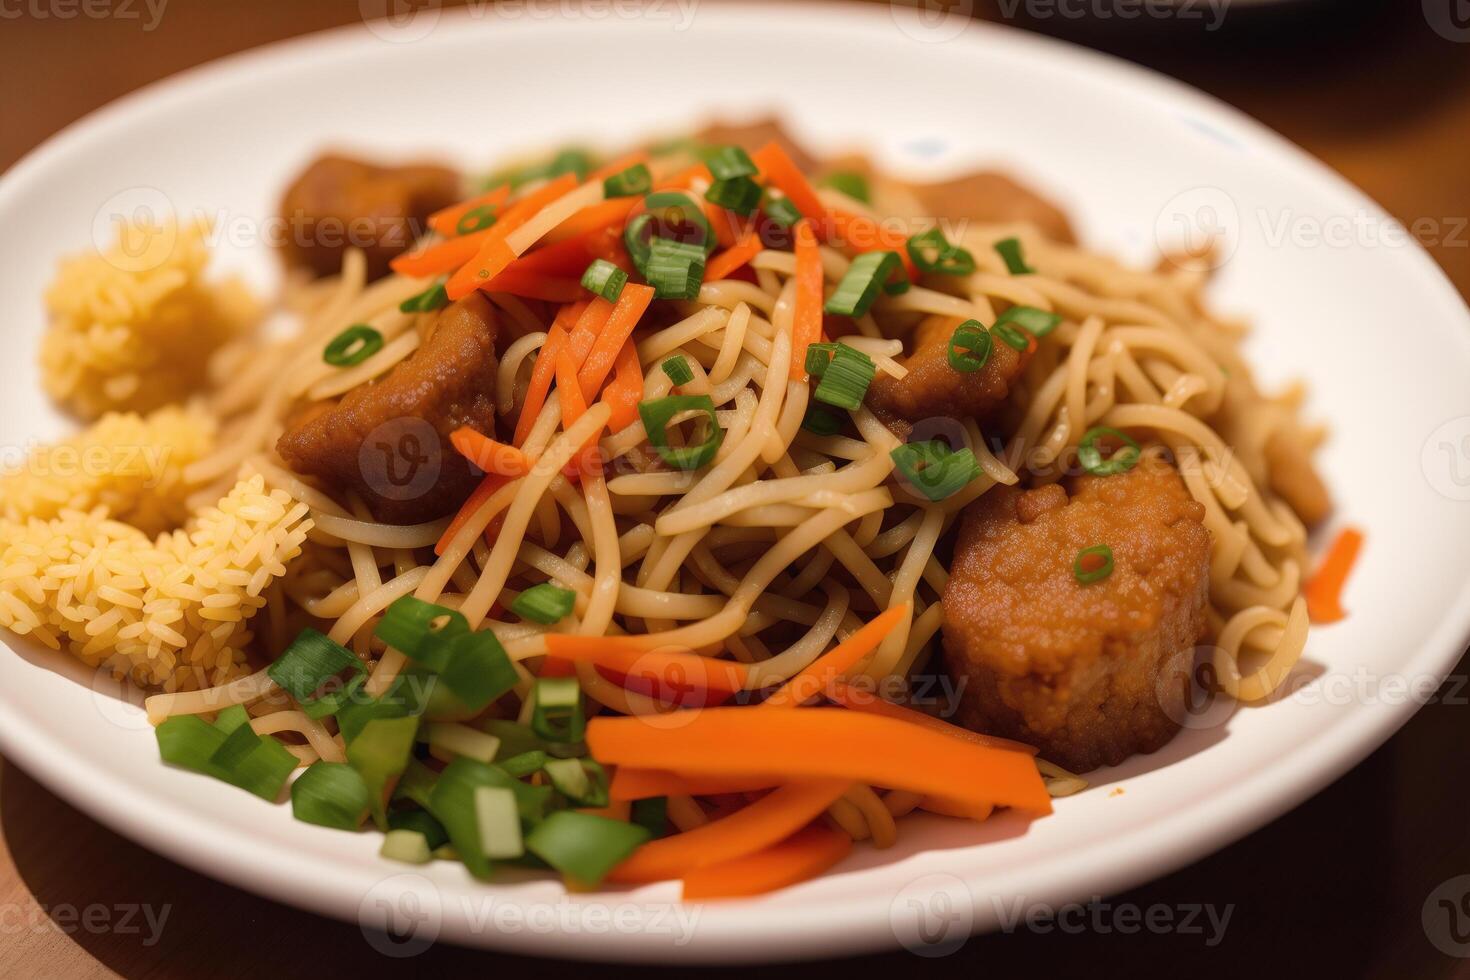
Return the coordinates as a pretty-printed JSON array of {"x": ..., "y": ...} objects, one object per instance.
[
  {"x": 584, "y": 846},
  {"x": 1015, "y": 259},
  {"x": 476, "y": 219},
  {"x": 781, "y": 211},
  {"x": 934, "y": 469},
  {"x": 515, "y": 739},
  {"x": 231, "y": 752},
  {"x": 556, "y": 709},
  {"x": 678, "y": 370},
  {"x": 675, "y": 211},
  {"x": 380, "y": 752},
  {"x": 1090, "y": 455},
  {"x": 330, "y": 794},
  {"x": 521, "y": 766},
  {"x": 729, "y": 162},
  {"x": 453, "y": 803},
  {"x": 309, "y": 662},
  {"x": 605, "y": 280},
  {"x": 499, "y": 824},
  {"x": 818, "y": 356},
  {"x": 420, "y": 822},
  {"x": 627, "y": 183},
  {"x": 658, "y": 412},
  {"x": 675, "y": 270},
  {"x": 969, "y": 347},
  {"x": 353, "y": 346},
  {"x": 1011, "y": 335},
  {"x": 845, "y": 381},
  {"x": 1093, "y": 564},
  {"x": 1038, "y": 323},
  {"x": 932, "y": 252},
  {"x": 431, "y": 299},
  {"x": 821, "y": 422},
  {"x": 406, "y": 846},
  {"x": 858, "y": 289},
  {"x": 854, "y": 185},
  {"x": 739, "y": 194},
  {"x": 544, "y": 603}
]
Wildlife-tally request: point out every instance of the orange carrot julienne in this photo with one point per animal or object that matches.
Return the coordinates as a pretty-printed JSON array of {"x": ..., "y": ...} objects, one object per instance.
[
  {"x": 617, "y": 166},
  {"x": 625, "y": 391},
  {"x": 802, "y": 856},
  {"x": 542, "y": 373},
  {"x": 631, "y": 305},
  {"x": 481, "y": 493},
  {"x": 806, "y": 326},
  {"x": 573, "y": 406},
  {"x": 630, "y": 783},
  {"x": 726, "y": 224},
  {"x": 767, "y": 821},
  {"x": 606, "y": 214},
  {"x": 811, "y": 680},
  {"x": 536, "y": 285},
  {"x": 780, "y": 170},
  {"x": 732, "y": 258},
  {"x": 440, "y": 257},
  {"x": 494, "y": 254},
  {"x": 669, "y": 669},
  {"x": 489, "y": 455},
  {"x": 446, "y": 220},
  {"x": 584, "y": 333},
  {"x": 867, "y": 701},
  {"x": 823, "y": 743},
  {"x": 1324, "y": 592},
  {"x": 963, "y": 810}
]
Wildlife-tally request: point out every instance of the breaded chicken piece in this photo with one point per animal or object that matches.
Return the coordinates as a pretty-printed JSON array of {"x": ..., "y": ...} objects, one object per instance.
[
  {"x": 389, "y": 439},
  {"x": 933, "y": 388},
  {"x": 1089, "y": 673}
]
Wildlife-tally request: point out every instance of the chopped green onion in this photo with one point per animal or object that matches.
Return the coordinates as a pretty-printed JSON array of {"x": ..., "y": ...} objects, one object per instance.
[
  {"x": 572, "y": 160},
  {"x": 544, "y": 604},
  {"x": 188, "y": 741},
  {"x": 524, "y": 764},
  {"x": 353, "y": 346},
  {"x": 1087, "y": 570},
  {"x": 498, "y": 823},
  {"x": 605, "y": 280},
  {"x": 582, "y": 781},
  {"x": 1089, "y": 454},
  {"x": 331, "y": 702},
  {"x": 636, "y": 237},
  {"x": 453, "y": 804},
  {"x": 846, "y": 379},
  {"x": 473, "y": 665},
  {"x": 477, "y": 670},
  {"x": 969, "y": 347},
  {"x": 934, "y": 469},
  {"x": 1038, "y": 323},
  {"x": 462, "y": 740},
  {"x": 854, "y": 185},
  {"x": 739, "y": 194},
  {"x": 675, "y": 270},
  {"x": 406, "y": 846},
  {"x": 416, "y": 783},
  {"x": 405, "y": 698},
  {"x": 930, "y": 251},
  {"x": 658, "y": 412},
  {"x": 729, "y": 162},
  {"x": 515, "y": 738},
  {"x": 859, "y": 287},
  {"x": 819, "y": 421},
  {"x": 900, "y": 282},
  {"x": 431, "y": 299},
  {"x": 1012, "y": 335},
  {"x": 556, "y": 709},
  {"x": 678, "y": 370},
  {"x": 236, "y": 747},
  {"x": 584, "y": 846},
  {"x": 231, "y": 718},
  {"x": 676, "y": 210},
  {"x": 1015, "y": 259},
  {"x": 781, "y": 211},
  {"x": 420, "y": 822},
  {"x": 330, "y": 794},
  {"x": 232, "y": 753},
  {"x": 418, "y": 628},
  {"x": 652, "y": 814},
  {"x": 818, "y": 356},
  {"x": 380, "y": 752},
  {"x": 309, "y": 662},
  {"x": 626, "y": 183},
  {"x": 476, "y": 219}
]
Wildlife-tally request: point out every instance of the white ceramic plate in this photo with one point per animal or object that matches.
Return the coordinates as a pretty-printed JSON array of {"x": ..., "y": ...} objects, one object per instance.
[{"x": 1371, "y": 324}]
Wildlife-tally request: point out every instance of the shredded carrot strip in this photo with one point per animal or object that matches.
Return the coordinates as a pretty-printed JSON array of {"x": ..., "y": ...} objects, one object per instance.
[
  {"x": 872, "y": 704},
  {"x": 446, "y": 220},
  {"x": 489, "y": 455},
  {"x": 481, "y": 493},
  {"x": 630, "y": 783},
  {"x": 587, "y": 328},
  {"x": 667, "y": 669},
  {"x": 802, "y": 856},
  {"x": 625, "y": 391},
  {"x": 1324, "y": 592},
  {"x": 535, "y": 285},
  {"x": 683, "y": 178},
  {"x": 542, "y": 373},
  {"x": 494, "y": 255},
  {"x": 726, "y": 224},
  {"x": 573, "y": 406},
  {"x": 823, "y": 743},
  {"x": 806, "y": 326},
  {"x": 779, "y": 169},
  {"x": 734, "y": 257},
  {"x": 607, "y": 214},
  {"x": 859, "y": 233},
  {"x": 813, "y": 679},
  {"x": 631, "y": 305},
  {"x": 440, "y": 257},
  {"x": 960, "y": 809},
  {"x": 617, "y": 166},
  {"x": 769, "y": 820}
]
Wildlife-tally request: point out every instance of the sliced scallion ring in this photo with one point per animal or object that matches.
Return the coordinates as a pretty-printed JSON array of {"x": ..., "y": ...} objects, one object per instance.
[
  {"x": 353, "y": 346},
  {"x": 431, "y": 299},
  {"x": 935, "y": 470},
  {"x": 1015, "y": 260},
  {"x": 930, "y": 251},
  {"x": 628, "y": 183},
  {"x": 1090, "y": 454},
  {"x": 969, "y": 347},
  {"x": 729, "y": 162},
  {"x": 604, "y": 279},
  {"x": 845, "y": 381},
  {"x": 859, "y": 287},
  {"x": 544, "y": 603},
  {"x": 678, "y": 370},
  {"x": 476, "y": 219},
  {"x": 1038, "y": 323},
  {"x": 658, "y": 412},
  {"x": 1093, "y": 564}
]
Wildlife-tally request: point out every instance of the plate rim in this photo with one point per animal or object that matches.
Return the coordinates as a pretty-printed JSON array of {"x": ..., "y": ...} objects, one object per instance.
[{"x": 865, "y": 928}]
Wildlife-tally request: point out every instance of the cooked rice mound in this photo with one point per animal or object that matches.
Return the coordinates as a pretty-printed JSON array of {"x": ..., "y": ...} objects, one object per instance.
[
  {"x": 133, "y": 328},
  {"x": 172, "y": 611},
  {"x": 129, "y": 463}
]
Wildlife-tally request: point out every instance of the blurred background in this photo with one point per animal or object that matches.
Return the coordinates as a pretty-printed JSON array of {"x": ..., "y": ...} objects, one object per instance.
[{"x": 1378, "y": 89}]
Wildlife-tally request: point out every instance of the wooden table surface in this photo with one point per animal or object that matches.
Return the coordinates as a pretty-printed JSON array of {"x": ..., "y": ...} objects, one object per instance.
[{"x": 1336, "y": 887}]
